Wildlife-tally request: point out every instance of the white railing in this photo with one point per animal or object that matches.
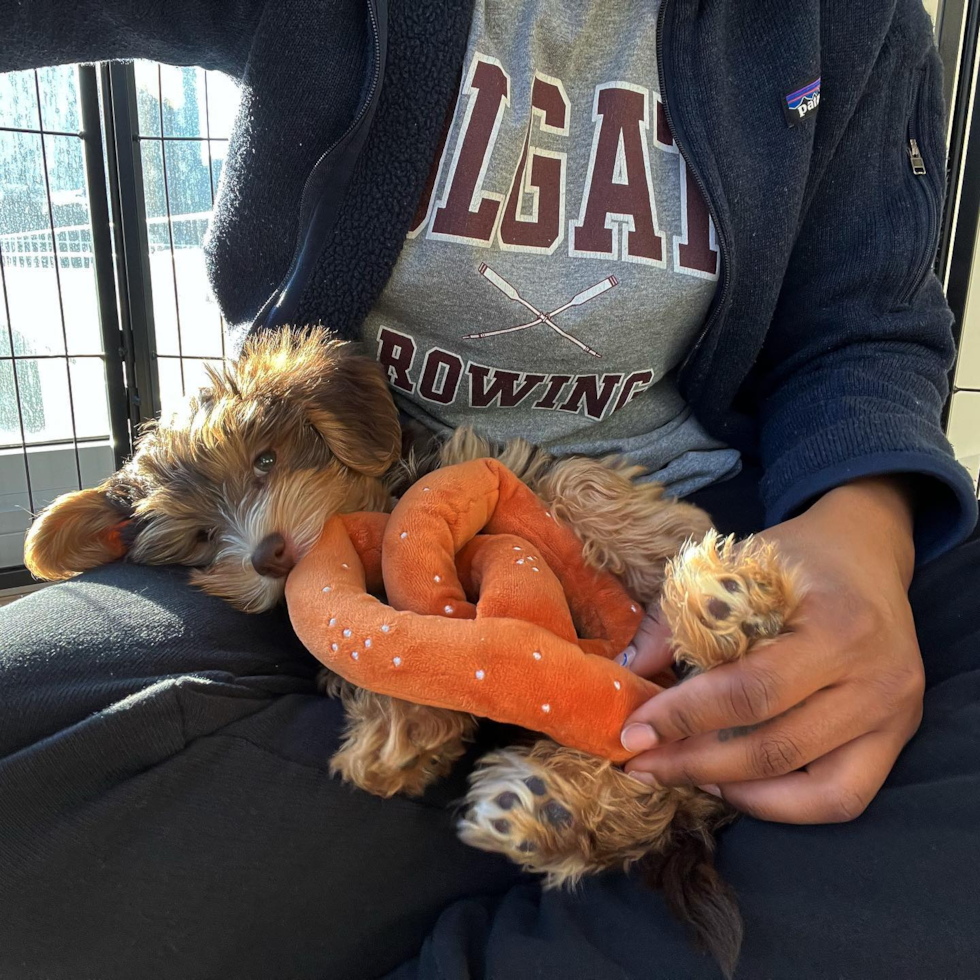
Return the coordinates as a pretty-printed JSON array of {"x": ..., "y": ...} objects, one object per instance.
[
  {"x": 32, "y": 249},
  {"x": 72, "y": 246}
]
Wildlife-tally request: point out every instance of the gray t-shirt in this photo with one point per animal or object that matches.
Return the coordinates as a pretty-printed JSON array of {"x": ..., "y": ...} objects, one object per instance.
[{"x": 562, "y": 260}]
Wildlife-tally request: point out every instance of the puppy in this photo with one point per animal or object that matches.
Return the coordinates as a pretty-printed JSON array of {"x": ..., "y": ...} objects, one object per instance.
[{"x": 238, "y": 485}]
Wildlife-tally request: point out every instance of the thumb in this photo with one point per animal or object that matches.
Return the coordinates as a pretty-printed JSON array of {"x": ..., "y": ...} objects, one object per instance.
[{"x": 650, "y": 652}]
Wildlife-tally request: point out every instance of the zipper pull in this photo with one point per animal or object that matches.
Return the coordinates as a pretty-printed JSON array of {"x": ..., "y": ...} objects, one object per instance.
[{"x": 915, "y": 158}]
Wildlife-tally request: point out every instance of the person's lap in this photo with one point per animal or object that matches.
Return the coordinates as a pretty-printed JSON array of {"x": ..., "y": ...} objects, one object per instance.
[
  {"x": 165, "y": 810},
  {"x": 891, "y": 895}
]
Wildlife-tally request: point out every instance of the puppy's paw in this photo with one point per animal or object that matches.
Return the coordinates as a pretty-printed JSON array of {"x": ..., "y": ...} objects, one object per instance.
[
  {"x": 392, "y": 746},
  {"x": 515, "y": 808},
  {"x": 720, "y": 597},
  {"x": 391, "y": 774},
  {"x": 563, "y": 813}
]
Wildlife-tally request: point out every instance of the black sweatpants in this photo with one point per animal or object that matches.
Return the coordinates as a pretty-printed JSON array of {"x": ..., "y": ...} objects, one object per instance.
[{"x": 166, "y": 812}]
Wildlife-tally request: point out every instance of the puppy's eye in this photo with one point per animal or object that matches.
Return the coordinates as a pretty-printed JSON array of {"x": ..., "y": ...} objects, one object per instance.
[
  {"x": 205, "y": 534},
  {"x": 264, "y": 461}
]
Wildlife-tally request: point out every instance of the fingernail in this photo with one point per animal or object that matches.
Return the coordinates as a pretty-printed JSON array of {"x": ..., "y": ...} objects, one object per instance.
[
  {"x": 711, "y": 788},
  {"x": 627, "y": 656},
  {"x": 638, "y": 738},
  {"x": 642, "y": 777}
]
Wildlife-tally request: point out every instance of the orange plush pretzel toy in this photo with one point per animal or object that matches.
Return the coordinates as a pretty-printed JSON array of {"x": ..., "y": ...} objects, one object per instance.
[{"x": 473, "y": 530}]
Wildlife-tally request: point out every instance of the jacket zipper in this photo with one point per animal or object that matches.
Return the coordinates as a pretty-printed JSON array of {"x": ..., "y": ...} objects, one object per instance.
[
  {"x": 915, "y": 158},
  {"x": 720, "y": 232},
  {"x": 266, "y": 316},
  {"x": 920, "y": 171}
]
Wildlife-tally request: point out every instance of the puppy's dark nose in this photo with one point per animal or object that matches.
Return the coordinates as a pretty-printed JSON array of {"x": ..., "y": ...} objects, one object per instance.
[{"x": 273, "y": 557}]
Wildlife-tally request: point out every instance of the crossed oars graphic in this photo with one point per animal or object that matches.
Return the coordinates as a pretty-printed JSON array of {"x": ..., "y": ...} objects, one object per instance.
[{"x": 511, "y": 293}]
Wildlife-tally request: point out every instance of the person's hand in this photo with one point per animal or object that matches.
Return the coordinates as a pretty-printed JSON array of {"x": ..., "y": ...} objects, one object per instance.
[{"x": 804, "y": 729}]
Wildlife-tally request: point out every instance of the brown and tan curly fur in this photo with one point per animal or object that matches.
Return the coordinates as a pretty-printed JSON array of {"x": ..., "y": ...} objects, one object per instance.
[{"x": 198, "y": 491}]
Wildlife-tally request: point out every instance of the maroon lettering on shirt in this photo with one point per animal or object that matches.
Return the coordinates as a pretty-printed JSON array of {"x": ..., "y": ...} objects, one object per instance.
[
  {"x": 498, "y": 388},
  {"x": 467, "y": 212},
  {"x": 618, "y": 214},
  {"x": 591, "y": 393},
  {"x": 694, "y": 250},
  {"x": 396, "y": 352},
  {"x": 543, "y": 180},
  {"x": 439, "y": 373},
  {"x": 440, "y": 377},
  {"x": 636, "y": 382},
  {"x": 555, "y": 384},
  {"x": 618, "y": 191}
]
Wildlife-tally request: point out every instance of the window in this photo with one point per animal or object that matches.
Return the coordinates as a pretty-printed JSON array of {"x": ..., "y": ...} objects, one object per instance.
[
  {"x": 67, "y": 349},
  {"x": 54, "y": 416},
  {"x": 184, "y": 121}
]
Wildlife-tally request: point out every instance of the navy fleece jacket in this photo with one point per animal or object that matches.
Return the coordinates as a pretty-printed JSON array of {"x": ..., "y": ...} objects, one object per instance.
[{"x": 828, "y": 347}]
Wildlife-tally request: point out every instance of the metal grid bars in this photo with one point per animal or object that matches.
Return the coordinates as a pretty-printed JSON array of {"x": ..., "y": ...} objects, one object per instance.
[
  {"x": 184, "y": 117},
  {"x": 57, "y": 432}
]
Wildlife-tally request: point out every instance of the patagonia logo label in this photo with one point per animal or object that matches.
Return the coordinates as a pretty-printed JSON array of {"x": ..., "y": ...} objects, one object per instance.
[{"x": 802, "y": 104}]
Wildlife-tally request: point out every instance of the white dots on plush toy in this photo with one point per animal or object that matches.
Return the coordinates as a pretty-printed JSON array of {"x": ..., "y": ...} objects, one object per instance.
[
  {"x": 425, "y": 490},
  {"x": 333, "y": 646},
  {"x": 536, "y": 654},
  {"x": 385, "y": 628},
  {"x": 354, "y": 655},
  {"x": 617, "y": 685},
  {"x": 547, "y": 514},
  {"x": 347, "y": 633},
  {"x": 403, "y": 535},
  {"x": 448, "y": 610},
  {"x": 326, "y": 588},
  {"x": 546, "y": 708},
  {"x": 517, "y": 549},
  {"x": 397, "y": 661},
  {"x": 632, "y": 608},
  {"x": 333, "y": 621},
  {"x": 344, "y": 565},
  {"x": 480, "y": 674},
  {"x": 367, "y": 642},
  {"x": 520, "y": 561},
  {"x": 437, "y": 579},
  {"x": 534, "y": 568}
]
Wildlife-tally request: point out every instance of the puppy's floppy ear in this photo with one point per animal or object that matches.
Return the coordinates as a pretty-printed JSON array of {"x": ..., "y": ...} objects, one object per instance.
[
  {"x": 343, "y": 394},
  {"x": 354, "y": 413},
  {"x": 79, "y": 530}
]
